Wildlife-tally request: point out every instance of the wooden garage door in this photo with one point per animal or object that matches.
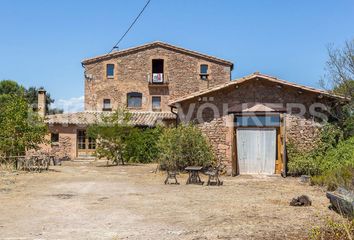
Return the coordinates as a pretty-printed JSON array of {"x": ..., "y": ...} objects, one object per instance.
[{"x": 256, "y": 150}]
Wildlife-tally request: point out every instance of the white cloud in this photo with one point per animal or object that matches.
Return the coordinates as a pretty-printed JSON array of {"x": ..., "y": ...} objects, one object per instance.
[{"x": 75, "y": 104}]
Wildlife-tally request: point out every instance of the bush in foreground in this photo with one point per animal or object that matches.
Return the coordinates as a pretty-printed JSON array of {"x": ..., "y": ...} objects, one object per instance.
[
  {"x": 141, "y": 145},
  {"x": 334, "y": 230},
  {"x": 184, "y": 146}
]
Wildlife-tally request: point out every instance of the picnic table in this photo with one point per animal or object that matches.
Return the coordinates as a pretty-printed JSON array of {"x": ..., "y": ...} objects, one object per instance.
[{"x": 193, "y": 175}]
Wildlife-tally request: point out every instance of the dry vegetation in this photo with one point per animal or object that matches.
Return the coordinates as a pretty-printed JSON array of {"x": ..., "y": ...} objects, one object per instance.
[{"x": 83, "y": 201}]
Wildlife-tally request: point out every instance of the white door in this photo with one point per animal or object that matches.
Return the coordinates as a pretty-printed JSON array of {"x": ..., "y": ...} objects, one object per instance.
[{"x": 256, "y": 150}]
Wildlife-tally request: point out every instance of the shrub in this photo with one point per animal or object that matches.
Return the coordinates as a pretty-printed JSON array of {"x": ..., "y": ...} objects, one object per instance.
[
  {"x": 334, "y": 230},
  {"x": 329, "y": 165},
  {"x": 330, "y": 136},
  {"x": 342, "y": 176},
  {"x": 337, "y": 167},
  {"x": 184, "y": 146},
  {"x": 119, "y": 141},
  {"x": 316, "y": 161},
  {"x": 341, "y": 155},
  {"x": 141, "y": 145},
  {"x": 301, "y": 162}
]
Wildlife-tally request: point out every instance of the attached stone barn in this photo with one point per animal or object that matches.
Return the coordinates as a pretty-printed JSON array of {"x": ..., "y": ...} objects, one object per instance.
[{"x": 251, "y": 120}]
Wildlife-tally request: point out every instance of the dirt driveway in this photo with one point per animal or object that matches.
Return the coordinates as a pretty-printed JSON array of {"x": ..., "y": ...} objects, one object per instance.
[{"x": 84, "y": 201}]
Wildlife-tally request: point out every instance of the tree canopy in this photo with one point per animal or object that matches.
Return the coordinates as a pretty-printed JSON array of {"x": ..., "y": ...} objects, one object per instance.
[
  {"x": 340, "y": 79},
  {"x": 21, "y": 129},
  {"x": 10, "y": 87},
  {"x": 340, "y": 69}
]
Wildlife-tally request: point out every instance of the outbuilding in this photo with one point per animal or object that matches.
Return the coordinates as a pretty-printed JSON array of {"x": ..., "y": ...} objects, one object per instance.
[{"x": 251, "y": 120}]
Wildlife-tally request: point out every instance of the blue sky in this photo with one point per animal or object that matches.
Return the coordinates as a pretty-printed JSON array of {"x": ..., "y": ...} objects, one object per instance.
[{"x": 43, "y": 42}]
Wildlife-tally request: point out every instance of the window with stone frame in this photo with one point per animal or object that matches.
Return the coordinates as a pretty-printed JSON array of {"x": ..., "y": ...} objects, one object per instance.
[
  {"x": 204, "y": 71},
  {"x": 110, "y": 70},
  {"x": 54, "y": 137},
  {"x": 156, "y": 103},
  {"x": 134, "y": 100},
  {"x": 107, "y": 105}
]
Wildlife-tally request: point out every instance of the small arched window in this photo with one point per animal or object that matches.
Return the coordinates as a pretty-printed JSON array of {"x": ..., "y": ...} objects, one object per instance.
[{"x": 134, "y": 99}]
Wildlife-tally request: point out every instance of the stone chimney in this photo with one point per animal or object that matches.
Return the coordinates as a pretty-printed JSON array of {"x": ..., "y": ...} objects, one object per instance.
[{"x": 41, "y": 102}]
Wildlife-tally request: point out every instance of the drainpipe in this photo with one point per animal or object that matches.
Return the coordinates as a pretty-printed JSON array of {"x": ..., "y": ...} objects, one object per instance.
[
  {"x": 284, "y": 148},
  {"x": 176, "y": 114}
]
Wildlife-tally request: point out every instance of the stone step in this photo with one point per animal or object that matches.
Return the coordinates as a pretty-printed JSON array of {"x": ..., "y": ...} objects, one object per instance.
[{"x": 84, "y": 159}]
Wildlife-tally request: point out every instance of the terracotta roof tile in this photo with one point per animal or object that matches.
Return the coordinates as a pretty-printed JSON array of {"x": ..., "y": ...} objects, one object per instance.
[
  {"x": 252, "y": 77},
  {"x": 90, "y": 117}
]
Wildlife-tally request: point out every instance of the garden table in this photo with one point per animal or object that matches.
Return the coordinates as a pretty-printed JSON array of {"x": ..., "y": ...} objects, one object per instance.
[{"x": 193, "y": 177}]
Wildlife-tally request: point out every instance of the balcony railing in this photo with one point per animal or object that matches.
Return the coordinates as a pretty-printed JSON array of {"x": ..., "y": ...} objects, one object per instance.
[{"x": 157, "y": 79}]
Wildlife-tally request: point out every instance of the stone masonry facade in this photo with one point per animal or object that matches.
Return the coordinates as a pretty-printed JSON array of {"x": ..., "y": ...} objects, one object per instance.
[
  {"x": 217, "y": 123},
  {"x": 133, "y": 69},
  {"x": 65, "y": 148}
]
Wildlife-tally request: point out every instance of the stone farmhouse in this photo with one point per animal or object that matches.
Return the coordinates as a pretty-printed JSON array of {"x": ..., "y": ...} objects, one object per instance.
[
  {"x": 248, "y": 120},
  {"x": 143, "y": 79}
]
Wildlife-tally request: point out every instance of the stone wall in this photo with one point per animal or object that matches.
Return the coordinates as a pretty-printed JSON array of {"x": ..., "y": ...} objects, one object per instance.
[
  {"x": 219, "y": 136},
  {"x": 67, "y": 146},
  {"x": 302, "y": 132},
  {"x": 133, "y": 70}
]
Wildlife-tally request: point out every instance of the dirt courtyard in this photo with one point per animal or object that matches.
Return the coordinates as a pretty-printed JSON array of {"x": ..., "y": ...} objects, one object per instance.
[{"x": 87, "y": 201}]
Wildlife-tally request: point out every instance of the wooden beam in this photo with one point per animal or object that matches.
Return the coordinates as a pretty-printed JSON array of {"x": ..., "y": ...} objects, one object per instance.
[{"x": 234, "y": 152}]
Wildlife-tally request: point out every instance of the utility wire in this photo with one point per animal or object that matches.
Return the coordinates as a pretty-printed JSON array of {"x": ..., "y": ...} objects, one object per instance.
[
  {"x": 126, "y": 32},
  {"x": 131, "y": 25}
]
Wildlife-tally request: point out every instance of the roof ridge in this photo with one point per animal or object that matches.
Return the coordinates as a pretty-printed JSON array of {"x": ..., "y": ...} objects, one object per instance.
[
  {"x": 297, "y": 85},
  {"x": 146, "y": 45},
  {"x": 248, "y": 77}
]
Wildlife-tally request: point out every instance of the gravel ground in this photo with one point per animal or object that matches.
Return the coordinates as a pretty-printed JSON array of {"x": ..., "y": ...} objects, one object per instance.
[{"x": 89, "y": 201}]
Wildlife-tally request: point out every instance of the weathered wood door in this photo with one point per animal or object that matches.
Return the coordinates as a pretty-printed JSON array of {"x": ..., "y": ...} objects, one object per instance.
[
  {"x": 85, "y": 145},
  {"x": 256, "y": 150}
]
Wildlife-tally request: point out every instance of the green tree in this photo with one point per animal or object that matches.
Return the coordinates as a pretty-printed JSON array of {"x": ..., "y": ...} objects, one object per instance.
[
  {"x": 21, "y": 129},
  {"x": 339, "y": 78},
  {"x": 111, "y": 133},
  {"x": 11, "y": 87}
]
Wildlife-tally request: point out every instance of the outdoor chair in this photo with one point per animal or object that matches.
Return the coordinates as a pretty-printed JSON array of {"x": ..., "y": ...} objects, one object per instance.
[
  {"x": 172, "y": 175},
  {"x": 213, "y": 175}
]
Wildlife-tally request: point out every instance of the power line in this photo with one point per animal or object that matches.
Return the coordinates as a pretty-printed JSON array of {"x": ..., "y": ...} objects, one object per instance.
[
  {"x": 126, "y": 32},
  {"x": 131, "y": 25}
]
